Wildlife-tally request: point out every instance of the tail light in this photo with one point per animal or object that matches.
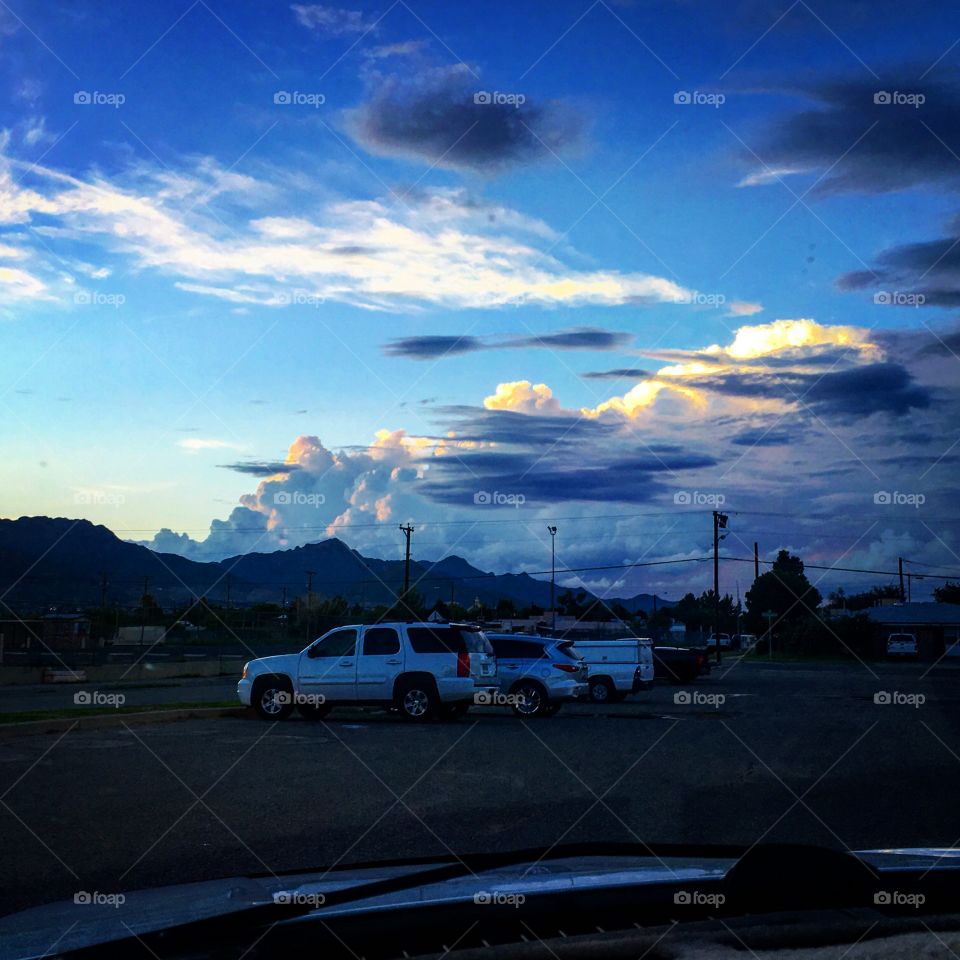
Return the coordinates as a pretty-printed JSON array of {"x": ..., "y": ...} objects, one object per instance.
[
  {"x": 463, "y": 664},
  {"x": 568, "y": 667}
]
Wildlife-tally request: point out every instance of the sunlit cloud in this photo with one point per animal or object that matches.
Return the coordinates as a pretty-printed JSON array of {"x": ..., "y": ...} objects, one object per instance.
[{"x": 380, "y": 254}]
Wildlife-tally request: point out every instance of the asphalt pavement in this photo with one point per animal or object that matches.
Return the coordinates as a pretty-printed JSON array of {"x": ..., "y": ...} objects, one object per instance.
[{"x": 846, "y": 755}]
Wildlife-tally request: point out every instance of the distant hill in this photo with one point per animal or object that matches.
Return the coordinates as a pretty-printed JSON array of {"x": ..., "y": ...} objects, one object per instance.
[{"x": 58, "y": 561}]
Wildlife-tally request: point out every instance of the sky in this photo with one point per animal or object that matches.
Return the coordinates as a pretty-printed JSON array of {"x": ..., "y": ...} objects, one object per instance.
[{"x": 272, "y": 273}]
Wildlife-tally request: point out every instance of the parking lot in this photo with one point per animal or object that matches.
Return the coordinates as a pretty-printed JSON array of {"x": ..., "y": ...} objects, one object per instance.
[{"x": 752, "y": 752}]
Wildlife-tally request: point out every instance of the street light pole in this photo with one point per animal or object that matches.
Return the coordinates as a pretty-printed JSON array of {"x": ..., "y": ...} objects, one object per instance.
[
  {"x": 553, "y": 576},
  {"x": 719, "y": 521}
]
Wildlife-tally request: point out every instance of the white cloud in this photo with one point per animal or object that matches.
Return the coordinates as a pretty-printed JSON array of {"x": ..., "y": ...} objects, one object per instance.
[
  {"x": 196, "y": 444},
  {"x": 439, "y": 250},
  {"x": 332, "y": 20}
]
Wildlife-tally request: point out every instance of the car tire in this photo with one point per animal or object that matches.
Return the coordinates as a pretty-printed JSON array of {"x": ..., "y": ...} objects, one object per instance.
[
  {"x": 313, "y": 711},
  {"x": 602, "y": 690},
  {"x": 273, "y": 698},
  {"x": 453, "y": 711},
  {"x": 417, "y": 700},
  {"x": 535, "y": 702}
]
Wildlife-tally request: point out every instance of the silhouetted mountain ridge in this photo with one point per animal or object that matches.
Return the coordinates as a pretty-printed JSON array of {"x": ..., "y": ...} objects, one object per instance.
[{"x": 59, "y": 561}]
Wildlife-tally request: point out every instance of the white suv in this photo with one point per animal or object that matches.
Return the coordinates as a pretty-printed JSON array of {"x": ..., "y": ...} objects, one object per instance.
[{"x": 420, "y": 669}]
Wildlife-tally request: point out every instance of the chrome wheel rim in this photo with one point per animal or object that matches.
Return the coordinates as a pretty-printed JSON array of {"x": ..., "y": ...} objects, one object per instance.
[
  {"x": 272, "y": 701},
  {"x": 530, "y": 702},
  {"x": 415, "y": 702},
  {"x": 601, "y": 693}
]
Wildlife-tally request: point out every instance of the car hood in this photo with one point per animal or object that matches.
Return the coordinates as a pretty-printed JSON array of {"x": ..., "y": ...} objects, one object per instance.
[
  {"x": 281, "y": 663},
  {"x": 328, "y": 893}
]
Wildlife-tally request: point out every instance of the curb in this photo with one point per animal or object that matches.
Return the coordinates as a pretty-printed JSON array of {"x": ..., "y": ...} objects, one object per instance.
[{"x": 108, "y": 721}]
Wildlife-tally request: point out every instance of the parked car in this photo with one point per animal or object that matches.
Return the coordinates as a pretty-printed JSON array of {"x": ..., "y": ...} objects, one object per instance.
[
  {"x": 617, "y": 667},
  {"x": 902, "y": 645},
  {"x": 539, "y": 673},
  {"x": 745, "y": 641},
  {"x": 420, "y": 669},
  {"x": 679, "y": 664},
  {"x": 725, "y": 641}
]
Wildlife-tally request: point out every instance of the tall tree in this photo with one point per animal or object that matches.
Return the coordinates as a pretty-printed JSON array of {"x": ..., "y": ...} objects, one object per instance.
[{"x": 784, "y": 590}]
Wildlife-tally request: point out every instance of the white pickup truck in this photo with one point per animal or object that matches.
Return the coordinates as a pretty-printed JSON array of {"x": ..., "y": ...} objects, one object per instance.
[
  {"x": 617, "y": 667},
  {"x": 422, "y": 670},
  {"x": 902, "y": 645}
]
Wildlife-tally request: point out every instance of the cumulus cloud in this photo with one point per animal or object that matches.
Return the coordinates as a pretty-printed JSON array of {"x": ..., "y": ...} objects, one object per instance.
[
  {"x": 879, "y": 416},
  {"x": 522, "y": 396},
  {"x": 442, "y": 116}
]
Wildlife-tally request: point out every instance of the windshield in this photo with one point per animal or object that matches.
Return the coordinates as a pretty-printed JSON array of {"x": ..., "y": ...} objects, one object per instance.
[{"x": 431, "y": 428}]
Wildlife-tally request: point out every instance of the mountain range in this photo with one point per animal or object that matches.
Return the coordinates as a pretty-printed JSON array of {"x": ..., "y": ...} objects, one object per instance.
[{"x": 63, "y": 563}]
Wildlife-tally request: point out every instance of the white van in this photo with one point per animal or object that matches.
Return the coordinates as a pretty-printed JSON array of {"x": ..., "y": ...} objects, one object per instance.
[{"x": 617, "y": 667}]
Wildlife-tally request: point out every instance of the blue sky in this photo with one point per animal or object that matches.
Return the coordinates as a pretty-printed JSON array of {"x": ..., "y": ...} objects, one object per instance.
[{"x": 210, "y": 297}]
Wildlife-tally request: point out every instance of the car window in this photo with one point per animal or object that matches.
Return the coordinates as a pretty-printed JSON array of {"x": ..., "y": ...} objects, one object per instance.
[
  {"x": 436, "y": 640},
  {"x": 381, "y": 641},
  {"x": 341, "y": 643},
  {"x": 510, "y": 649},
  {"x": 475, "y": 640}
]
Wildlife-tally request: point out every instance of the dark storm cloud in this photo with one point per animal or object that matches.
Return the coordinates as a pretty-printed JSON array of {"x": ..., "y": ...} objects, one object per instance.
[
  {"x": 626, "y": 479},
  {"x": 429, "y": 348},
  {"x": 433, "y": 116},
  {"x": 762, "y": 437},
  {"x": 887, "y": 387},
  {"x": 913, "y": 274},
  {"x": 870, "y": 146},
  {"x": 581, "y": 338},
  {"x": 260, "y": 468},
  {"x": 858, "y": 392},
  {"x": 621, "y": 373},
  {"x": 508, "y": 426}
]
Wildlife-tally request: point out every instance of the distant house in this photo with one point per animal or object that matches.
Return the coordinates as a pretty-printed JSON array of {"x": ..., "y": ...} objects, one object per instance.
[
  {"x": 935, "y": 625},
  {"x": 66, "y": 631}
]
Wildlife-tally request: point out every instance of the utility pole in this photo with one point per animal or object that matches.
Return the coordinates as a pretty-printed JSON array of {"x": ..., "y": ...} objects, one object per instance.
[
  {"x": 719, "y": 521},
  {"x": 308, "y": 619},
  {"x": 756, "y": 560},
  {"x": 903, "y": 595},
  {"x": 406, "y": 531},
  {"x": 143, "y": 607},
  {"x": 553, "y": 577}
]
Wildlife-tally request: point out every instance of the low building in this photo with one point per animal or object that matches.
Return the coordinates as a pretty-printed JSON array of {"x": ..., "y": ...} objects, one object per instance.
[{"x": 935, "y": 625}]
